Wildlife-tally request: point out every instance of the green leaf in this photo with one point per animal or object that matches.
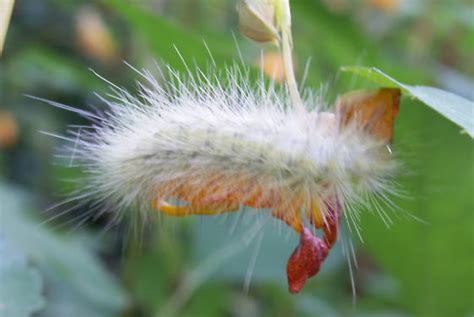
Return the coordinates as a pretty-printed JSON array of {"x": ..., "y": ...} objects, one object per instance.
[
  {"x": 264, "y": 251},
  {"x": 431, "y": 259},
  {"x": 456, "y": 108},
  {"x": 74, "y": 264},
  {"x": 166, "y": 39},
  {"x": 63, "y": 300},
  {"x": 20, "y": 284}
]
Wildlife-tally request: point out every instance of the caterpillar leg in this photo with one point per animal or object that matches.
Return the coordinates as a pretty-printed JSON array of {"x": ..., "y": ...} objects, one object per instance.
[
  {"x": 291, "y": 213},
  {"x": 331, "y": 224},
  {"x": 314, "y": 214},
  {"x": 292, "y": 218},
  {"x": 194, "y": 209}
]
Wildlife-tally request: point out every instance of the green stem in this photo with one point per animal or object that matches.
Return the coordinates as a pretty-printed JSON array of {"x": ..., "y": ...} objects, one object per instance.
[{"x": 283, "y": 15}]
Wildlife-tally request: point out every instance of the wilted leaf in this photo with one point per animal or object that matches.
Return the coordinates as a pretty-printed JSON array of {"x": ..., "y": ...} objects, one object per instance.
[
  {"x": 456, "y": 108},
  {"x": 375, "y": 109}
]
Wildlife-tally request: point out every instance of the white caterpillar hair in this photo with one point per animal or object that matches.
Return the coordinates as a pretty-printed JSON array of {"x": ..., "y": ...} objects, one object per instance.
[
  {"x": 218, "y": 143},
  {"x": 201, "y": 131}
]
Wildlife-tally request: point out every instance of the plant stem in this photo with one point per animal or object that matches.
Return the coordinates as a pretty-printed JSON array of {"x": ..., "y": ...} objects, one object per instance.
[{"x": 283, "y": 15}]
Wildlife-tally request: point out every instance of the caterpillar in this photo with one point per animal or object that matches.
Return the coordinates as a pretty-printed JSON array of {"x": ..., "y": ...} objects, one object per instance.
[{"x": 218, "y": 143}]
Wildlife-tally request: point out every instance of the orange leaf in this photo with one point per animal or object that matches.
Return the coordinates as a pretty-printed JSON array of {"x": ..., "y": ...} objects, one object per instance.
[{"x": 375, "y": 110}]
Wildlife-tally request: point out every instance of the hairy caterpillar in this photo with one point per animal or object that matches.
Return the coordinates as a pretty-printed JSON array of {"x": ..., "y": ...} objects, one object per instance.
[{"x": 217, "y": 147}]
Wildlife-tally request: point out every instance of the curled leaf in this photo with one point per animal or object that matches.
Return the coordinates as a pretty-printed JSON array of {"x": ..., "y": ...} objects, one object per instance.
[
  {"x": 456, "y": 108},
  {"x": 374, "y": 109}
]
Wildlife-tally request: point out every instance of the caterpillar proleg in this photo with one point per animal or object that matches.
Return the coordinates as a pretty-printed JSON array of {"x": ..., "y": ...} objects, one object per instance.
[{"x": 217, "y": 147}]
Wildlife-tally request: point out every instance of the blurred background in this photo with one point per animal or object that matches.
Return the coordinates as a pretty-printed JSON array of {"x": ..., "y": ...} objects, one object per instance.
[{"x": 60, "y": 264}]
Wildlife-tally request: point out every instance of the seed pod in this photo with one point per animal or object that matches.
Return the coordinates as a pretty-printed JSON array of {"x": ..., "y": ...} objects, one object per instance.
[{"x": 257, "y": 20}]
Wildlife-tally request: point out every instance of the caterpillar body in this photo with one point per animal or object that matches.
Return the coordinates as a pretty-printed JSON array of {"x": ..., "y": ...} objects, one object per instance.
[{"x": 218, "y": 147}]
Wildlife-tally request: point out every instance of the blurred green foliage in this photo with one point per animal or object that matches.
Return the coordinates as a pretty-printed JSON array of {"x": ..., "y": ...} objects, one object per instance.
[{"x": 422, "y": 266}]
